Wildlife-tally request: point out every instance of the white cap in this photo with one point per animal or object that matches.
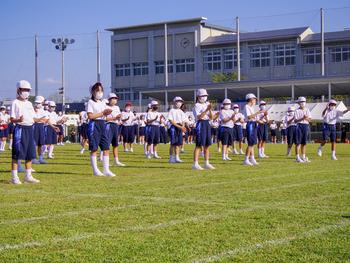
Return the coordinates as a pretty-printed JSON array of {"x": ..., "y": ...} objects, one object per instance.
[
  {"x": 149, "y": 105},
  {"x": 46, "y": 102},
  {"x": 177, "y": 98},
  {"x": 235, "y": 106},
  {"x": 226, "y": 101},
  {"x": 23, "y": 84},
  {"x": 154, "y": 103},
  {"x": 3, "y": 107},
  {"x": 262, "y": 102},
  {"x": 112, "y": 96},
  {"x": 52, "y": 104},
  {"x": 8, "y": 108},
  {"x": 301, "y": 99},
  {"x": 332, "y": 102},
  {"x": 202, "y": 92},
  {"x": 291, "y": 108},
  {"x": 39, "y": 99},
  {"x": 250, "y": 96}
]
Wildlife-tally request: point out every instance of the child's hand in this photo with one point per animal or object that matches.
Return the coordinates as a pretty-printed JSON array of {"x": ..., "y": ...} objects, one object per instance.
[{"x": 107, "y": 112}]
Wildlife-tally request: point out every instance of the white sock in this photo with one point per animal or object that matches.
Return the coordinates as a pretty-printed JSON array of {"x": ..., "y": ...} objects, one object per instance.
[
  {"x": 206, "y": 162},
  {"x": 177, "y": 157},
  {"x": 196, "y": 163},
  {"x": 116, "y": 159},
  {"x": 304, "y": 156},
  {"x": 297, "y": 156},
  {"x": 263, "y": 151},
  {"x": 10, "y": 143},
  {"x": 105, "y": 163},
  {"x": 51, "y": 150},
  {"x": 333, "y": 153},
  {"x": 28, "y": 173},
  {"x": 14, "y": 174},
  {"x": 93, "y": 160}
]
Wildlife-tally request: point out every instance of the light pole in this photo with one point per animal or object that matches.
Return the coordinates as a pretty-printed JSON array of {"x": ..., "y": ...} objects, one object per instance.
[{"x": 61, "y": 44}]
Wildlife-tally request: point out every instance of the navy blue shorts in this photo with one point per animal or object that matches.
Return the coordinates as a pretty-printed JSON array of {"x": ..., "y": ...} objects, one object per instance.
[
  {"x": 97, "y": 135},
  {"x": 83, "y": 130},
  {"x": 153, "y": 134},
  {"x": 273, "y": 132},
  {"x": 237, "y": 133},
  {"x": 23, "y": 146},
  {"x": 51, "y": 136},
  {"x": 4, "y": 133},
  {"x": 11, "y": 128},
  {"x": 226, "y": 135},
  {"x": 252, "y": 136},
  {"x": 128, "y": 133},
  {"x": 141, "y": 131},
  {"x": 262, "y": 131},
  {"x": 112, "y": 130},
  {"x": 163, "y": 135},
  {"x": 61, "y": 132},
  {"x": 203, "y": 133},
  {"x": 302, "y": 133},
  {"x": 283, "y": 132},
  {"x": 175, "y": 136},
  {"x": 329, "y": 132},
  {"x": 292, "y": 135},
  {"x": 39, "y": 134},
  {"x": 214, "y": 131}
]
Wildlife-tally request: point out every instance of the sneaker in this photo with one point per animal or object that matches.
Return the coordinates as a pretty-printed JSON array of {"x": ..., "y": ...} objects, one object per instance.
[
  {"x": 254, "y": 162},
  {"x": 247, "y": 162},
  {"x": 265, "y": 156},
  {"x": 98, "y": 173},
  {"x": 228, "y": 158},
  {"x": 197, "y": 167},
  {"x": 50, "y": 157},
  {"x": 15, "y": 180},
  {"x": 235, "y": 151},
  {"x": 32, "y": 170},
  {"x": 108, "y": 173},
  {"x": 119, "y": 164},
  {"x": 306, "y": 160},
  {"x": 182, "y": 150},
  {"x": 82, "y": 151},
  {"x": 126, "y": 150},
  {"x": 209, "y": 167},
  {"x": 35, "y": 161},
  {"x": 178, "y": 160},
  {"x": 299, "y": 160},
  {"x": 157, "y": 156},
  {"x": 31, "y": 179},
  {"x": 132, "y": 150},
  {"x": 241, "y": 152},
  {"x": 149, "y": 156},
  {"x": 319, "y": 151},
  {"x": 334, "y": 158},
  {"x": 42, "y": 161}
]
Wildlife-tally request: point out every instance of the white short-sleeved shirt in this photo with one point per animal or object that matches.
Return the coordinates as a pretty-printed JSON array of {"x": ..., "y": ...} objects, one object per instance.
[
  {"x": 299, "y": 114},
  {"x": 53, "y": 118},
  {"x": 126, "y": 115},
  {"x": 151, "y": 115},
  {"x": 331, "y": 116},
  {"x": 84, "y": 117},
  {"x": 262, "y": 117},
  {"x": 4, "y": 118},
  {"x": 288, "y": 118},
  {"x": 224, "y": 114},
  {"x": 199, "y": 108},
  {"x": 96, "y": 107},
  {"x": 177, "y": 116},
  {"x": 115, "y": 112},
  {"x": 238, "y": 117},
  {"x": 41, "y": 113},
  {"x": 142, "y": 123},
  {"x": 273, "y": 126},
  {"x": 249, "y": 110},
  {"x": 23, "y": 108},
  {"x": 283, "y": 125},
  {"x": 244, "y": 125}
]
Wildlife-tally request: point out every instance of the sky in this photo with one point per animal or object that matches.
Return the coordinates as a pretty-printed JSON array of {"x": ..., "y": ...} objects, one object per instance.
[{"x": 20, "y": 20}]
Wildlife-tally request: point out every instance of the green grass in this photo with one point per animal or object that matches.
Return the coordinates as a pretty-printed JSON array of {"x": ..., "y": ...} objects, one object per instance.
[{"x": 152, "y": 211}]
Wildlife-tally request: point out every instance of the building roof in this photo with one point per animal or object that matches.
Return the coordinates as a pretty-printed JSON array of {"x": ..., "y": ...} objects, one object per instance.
[
  {"x": 173, "y": 22},
  {"x": 255, "y": 36},
  {"x": 328, "y": 37}
]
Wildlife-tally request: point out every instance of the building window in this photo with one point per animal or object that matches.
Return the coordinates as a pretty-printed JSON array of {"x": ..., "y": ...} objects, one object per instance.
[
  {"x": 123, "y": 94},
  {"x": 312, "y": 56},
  {"x": 260, "y": 56},
  {"x": 159, "y": 66},
  {"x": 184, "y": 65},
  {"x": 140, "y": 68},
  {"x": 122, "y": 70},
  {"x": 230, "y": 58},
  {"x": 339, "y": 54},
  {"x": 284, "y": 54},
  {"x": 212, "y": 60}
]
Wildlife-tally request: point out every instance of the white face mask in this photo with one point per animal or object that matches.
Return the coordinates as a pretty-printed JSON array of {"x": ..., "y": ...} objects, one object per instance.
[
  {"x": 202, "y": 99},
  {"x": 290, "y": 113},
  {"x": 227, "y": 107},
  {"x": 178, "y": 104},
  {"x": 38, "y": 105},
  {"x": 262, "y": 107},
  {"x": 24, "y": 95},
  {"x": 331, "y": 107},
  {"x": 99, "y": 95},
  {"x": 236, "y": 110},
  {"x": 302, "y": 104},
  {"x": 127, "y": 109}
]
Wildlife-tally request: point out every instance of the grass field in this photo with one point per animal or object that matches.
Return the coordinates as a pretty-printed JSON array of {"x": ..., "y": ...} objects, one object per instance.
[{"x": 152, "y": 211}]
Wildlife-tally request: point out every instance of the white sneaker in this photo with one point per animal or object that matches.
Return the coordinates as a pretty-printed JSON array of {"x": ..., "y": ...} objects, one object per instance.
[
  {"x": 228, "y": 158},
  {"x": 178, "y": 160},
  {"x": 157, "y": 156},
  {"x": 334, "y": 158},
  {"x": 265, "y": 156},
  {"x": 306, "y": 160},
  {"x": 253, "y": 162},
  {"x": 108, "y": 173},
  {"x": 196, "y": 167},
  {"x": 247, "y": 162},
  {"x": 319, "y": 151},
  {"x": 98, "y": 173},
  {"x": 126, "y": 150},
  {"x": 132, "y": 150},
  {"x": 235, "y": 151},
  {"x": 50, "y": 157},
  {"x": 209, "y": 167},
  {"x": 241, "y": 152},
  {"x": 15, "y": 180},
  {"x": 182, "y": 150},
  {"x": 32, "y": 170},
  {"x": 224, "y": 158},
  {"x": 299, "y": 160},
  {"x": 82, "y": 151},
  {"x": 31, "y": 179},
  {"x": 119, "y": 164},
  {"x": 149, "y": 156}
]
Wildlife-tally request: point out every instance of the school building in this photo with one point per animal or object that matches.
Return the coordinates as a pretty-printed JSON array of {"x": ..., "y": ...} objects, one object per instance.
[{"x": 161, "y": 60}]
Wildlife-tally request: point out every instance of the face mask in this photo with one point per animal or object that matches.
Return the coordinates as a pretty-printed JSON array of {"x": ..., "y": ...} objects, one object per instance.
[
  {"x": 24, "y": 95},
  {"x": 128, "y": 109},
  {"x": 38, "y": 106},
  {"x": 227, "y": 107},
  {"x": 99, "y": 95},
  {"x": 178, "y": 104},
  {"x": 302, "y": 104},
  {"x": 202, "y": 99},
  {"x": 236, "y": 110},
  {"x": 290, "y": 113},
  {"x": 331, "y": 107},
  {"x": 262, "y": 107}
]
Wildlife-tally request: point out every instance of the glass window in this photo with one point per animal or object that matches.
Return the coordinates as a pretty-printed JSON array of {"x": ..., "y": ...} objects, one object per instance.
[
  {"x": 312, "y": 56},
  {"x": 284, "y": 54},
  {"x": 122, "y": 70},
  {"x": 184, "y": 65},
  {"x": 230, "y": 58},
  {"x": 212, "y": 60},
  {"x": 259, "y": 56},
  {"x": 140, "y": 69},
  {"x": 339, "y": 54},
  {"x": 159, "y": 65}
]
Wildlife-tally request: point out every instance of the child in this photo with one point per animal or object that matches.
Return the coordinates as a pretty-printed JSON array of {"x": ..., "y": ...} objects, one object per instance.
[
  {"x": 302, "y": 118},
  {"x": 23, "y": 115},
  {"x": 191, "y": 127},
  {"x": 291, "y": 129},
  {"x": 4, "y": 129},
  {"x": 112, "y": 127},
  {"x": 177, "y": 120},
  {"x": 263, "y": 122},
  {"x": 153, "y": 119},
  {"x": 283, "y": 131},
  {"x": 273, "y": 129},
  {"x": 238, "y": 130},
  {"x": 97, "y": 111},
  {"x": 83, "y": 120},
  {"x": 52, "y": 129},
  {"x": 251, "y": 117},
  {"x": 226, "y": 128},
  {"x": 142, "y": 125},
  {"x": 330, "y": 116},
  {"x": 128, "y": 119},
  {"x": 202, "y": 112}
]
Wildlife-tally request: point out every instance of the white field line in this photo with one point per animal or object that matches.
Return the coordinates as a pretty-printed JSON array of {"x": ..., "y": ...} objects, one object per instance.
[
  {"x": 274, "y": 242},
  {"x": 149, "y": 227}
]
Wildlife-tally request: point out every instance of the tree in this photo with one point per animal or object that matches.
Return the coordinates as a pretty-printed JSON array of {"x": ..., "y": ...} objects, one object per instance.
[{"x": 224, "y": 77}]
